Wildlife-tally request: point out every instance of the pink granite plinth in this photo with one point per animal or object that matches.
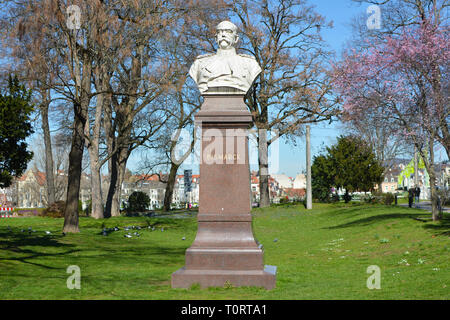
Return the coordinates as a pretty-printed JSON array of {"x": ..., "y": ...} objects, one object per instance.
[{"x": 224, "y": 250}]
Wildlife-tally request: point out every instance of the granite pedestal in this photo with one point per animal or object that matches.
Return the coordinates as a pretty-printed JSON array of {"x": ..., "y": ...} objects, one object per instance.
[{"x": 224, "y": 250}]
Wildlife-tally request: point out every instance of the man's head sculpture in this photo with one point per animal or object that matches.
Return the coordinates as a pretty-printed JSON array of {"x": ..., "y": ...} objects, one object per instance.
[
  {"x": 225, "y": 72},
  {"x": 226, "y": 35}
]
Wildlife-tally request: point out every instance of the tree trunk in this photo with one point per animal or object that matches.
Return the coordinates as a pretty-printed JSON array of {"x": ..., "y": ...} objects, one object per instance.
[
  {"x": 169, "y": 186},
  {"x": 101, "y": 82},
  {"x": 434, "y": 207},
  {"x": 80, "y": 111},
  {"x": 118, "y": 167},
  {"x": 49, "y": 174},
  {"x": 96, "y": 187},
  {"x": 432, "y": 174},
  {"x": 74, "y": 176},
  {"x": 113, "y": 176},
  {"x": 264, "y": 199},
  {"x": 346, "y": 196}
]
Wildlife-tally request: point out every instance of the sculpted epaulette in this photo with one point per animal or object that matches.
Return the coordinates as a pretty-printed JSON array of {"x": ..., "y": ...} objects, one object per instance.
[
  {"x": 247, "y": 56},
  {"x": 205, "y": 55}
]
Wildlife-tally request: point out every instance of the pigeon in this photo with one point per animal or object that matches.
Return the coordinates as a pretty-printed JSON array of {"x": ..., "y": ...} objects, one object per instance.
[
  {"x": 184, "y": 238},
  {"x": 162, "y": 229},
  {"x": 275, "y": 240},
  {"x": 260, "y": 246},
  {"x": 136, "y": 234},
  {"x": 105, "y": 233},
  {"x": 127, "y": 235},
  {"x": 116, "y": 229},
  {"x": 48, "y": 232},
  {"x": 126, "y": 228},
  {"x": 139, "y": 228},
  {"x": 63, "y": 233}
]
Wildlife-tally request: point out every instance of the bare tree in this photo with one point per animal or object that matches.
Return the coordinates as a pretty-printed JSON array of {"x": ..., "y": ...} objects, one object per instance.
[{"x": 293, "y": 88}]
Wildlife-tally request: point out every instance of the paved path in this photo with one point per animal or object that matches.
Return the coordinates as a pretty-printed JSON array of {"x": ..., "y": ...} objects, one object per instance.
[{"x": 425, "y": 205}]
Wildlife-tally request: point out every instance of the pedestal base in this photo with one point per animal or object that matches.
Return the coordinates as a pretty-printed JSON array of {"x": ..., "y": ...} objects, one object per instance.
[
  {"x": 218, "y": 278},
  {"x": 224, "y": 251}
]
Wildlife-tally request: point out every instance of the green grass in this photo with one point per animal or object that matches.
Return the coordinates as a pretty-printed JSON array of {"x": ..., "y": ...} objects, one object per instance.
[{"x": 320, "y": 254}]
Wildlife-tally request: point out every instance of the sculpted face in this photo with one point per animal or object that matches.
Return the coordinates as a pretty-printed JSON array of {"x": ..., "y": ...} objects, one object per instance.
[
  {"x": 226, "y": 35},
  {"x": 225, "y": 72}
]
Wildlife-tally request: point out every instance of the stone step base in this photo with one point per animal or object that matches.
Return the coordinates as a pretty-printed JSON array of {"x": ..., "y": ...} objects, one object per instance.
[
  {"x": 224, "y": 259},
  {"x": 184, "y": 278}
]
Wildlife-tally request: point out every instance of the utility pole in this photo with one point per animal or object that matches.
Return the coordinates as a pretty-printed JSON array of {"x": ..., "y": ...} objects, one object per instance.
[
  {"x": 416, "y": 168},
  {"x": 308, "y": 169}
]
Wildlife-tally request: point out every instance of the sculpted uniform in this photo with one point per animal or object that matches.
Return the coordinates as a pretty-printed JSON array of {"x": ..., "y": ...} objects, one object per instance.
[{"x": 224, "y": 69}]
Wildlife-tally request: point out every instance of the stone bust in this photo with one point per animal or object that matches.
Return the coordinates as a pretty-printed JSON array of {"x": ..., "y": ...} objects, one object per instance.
[{"x": 225, "y": 72}]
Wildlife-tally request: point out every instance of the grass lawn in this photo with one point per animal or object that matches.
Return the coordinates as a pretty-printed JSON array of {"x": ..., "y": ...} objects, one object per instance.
[{"x": 320, "y": 254}]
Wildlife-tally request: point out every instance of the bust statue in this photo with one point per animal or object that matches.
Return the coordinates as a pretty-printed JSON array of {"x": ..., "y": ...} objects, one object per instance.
[{"x": 225, "y": 72}]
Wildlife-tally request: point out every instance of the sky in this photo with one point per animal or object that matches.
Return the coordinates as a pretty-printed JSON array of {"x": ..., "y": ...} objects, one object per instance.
[
  {"x": 291, "y": 159},
  {"x": 341, "y": 12}
]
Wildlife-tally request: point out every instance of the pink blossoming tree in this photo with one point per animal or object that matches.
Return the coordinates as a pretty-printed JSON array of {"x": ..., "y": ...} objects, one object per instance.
[{"x": 405, "y": 78}]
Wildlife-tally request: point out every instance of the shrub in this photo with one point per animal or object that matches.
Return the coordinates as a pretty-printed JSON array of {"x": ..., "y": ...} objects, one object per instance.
[
  {"x": 371, "y": 199},
  {"x": 335, "y": 197},
  {"x": 347, "y": 197},
  {"x": 55, "y": 210},
  {"x": 284, "y": 200},
  {"x": 88, "y": 209},
  {"x": 388, "y": 198},
  {"x": 80, "y": 207},
  {"x": 138, "y": 201}
]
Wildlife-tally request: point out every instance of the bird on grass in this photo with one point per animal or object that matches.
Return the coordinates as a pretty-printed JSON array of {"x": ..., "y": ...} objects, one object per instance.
[{"x": 48, "y": 232}]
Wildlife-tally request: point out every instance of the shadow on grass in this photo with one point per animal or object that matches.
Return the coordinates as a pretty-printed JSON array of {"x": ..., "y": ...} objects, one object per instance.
[
  {"x": 442, "y": 227},
  {"x": 377, "y": 218},
  {"x": 14, "y": 240}
]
